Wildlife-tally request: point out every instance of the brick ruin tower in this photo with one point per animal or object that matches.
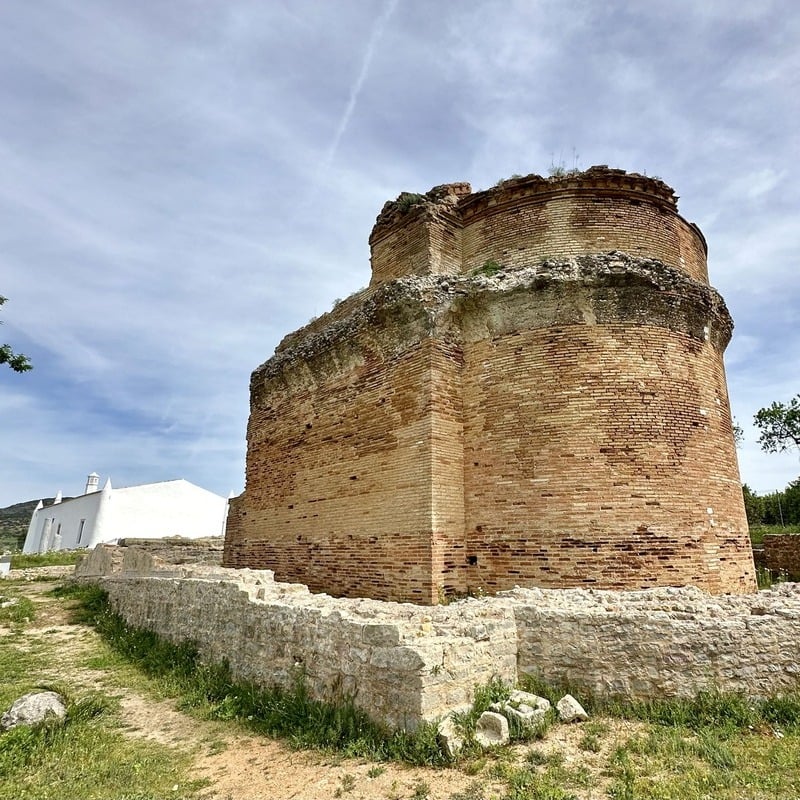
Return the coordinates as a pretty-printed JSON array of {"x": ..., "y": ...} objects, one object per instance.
[{"x": 530, "y": 392}]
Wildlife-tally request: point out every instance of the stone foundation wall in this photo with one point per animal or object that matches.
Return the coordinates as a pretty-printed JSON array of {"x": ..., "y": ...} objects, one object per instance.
[
  {"x": 661, "y": 642},
  {"x": 406, "y": 663}
]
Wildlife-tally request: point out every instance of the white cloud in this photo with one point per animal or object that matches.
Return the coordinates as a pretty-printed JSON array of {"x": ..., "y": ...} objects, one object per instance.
[{"x": 185, "y": 183}]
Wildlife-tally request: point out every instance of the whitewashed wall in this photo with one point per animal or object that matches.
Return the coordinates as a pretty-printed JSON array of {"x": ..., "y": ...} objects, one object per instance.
[{"x": 154, "y": 510}]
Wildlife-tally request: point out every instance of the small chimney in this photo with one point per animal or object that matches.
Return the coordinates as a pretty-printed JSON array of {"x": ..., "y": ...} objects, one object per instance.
[{"x": 91, "y": 483}]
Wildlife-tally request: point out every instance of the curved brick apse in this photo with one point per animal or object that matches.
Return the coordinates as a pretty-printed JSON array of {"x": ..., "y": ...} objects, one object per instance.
[{"x": 530, "y": 392}]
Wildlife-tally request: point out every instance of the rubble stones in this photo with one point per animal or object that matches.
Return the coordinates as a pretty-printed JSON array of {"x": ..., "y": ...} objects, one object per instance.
[
  {"x": 491, "y": 730},
  {"x": 449, "y": 736},
  {"x": 570, "y": 710},
  {"x": 539, "y": 703},
  {"x": 524, "y": 708},
  {"x": 34, "y": 709}
]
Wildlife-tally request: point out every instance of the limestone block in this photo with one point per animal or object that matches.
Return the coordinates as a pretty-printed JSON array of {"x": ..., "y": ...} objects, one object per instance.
[
  {"x": 33, "y": 709},
  {"x": 449, "y": 736},
  {"x": 532, "y": 700},
  {"x": 570, "y": 710},
  {"x": 524, "y": 714},
  {"x": 381, "y": 635},
  {"x": 491, "y": 729}
]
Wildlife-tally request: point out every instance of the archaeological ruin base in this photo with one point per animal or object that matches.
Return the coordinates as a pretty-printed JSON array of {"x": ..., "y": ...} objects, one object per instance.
[{"x": 530, "y": 392}]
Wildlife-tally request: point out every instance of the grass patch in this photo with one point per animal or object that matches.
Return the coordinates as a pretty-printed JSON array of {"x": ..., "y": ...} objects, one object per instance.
[
  {"x": 683, "y": 765},
  {"x": 15, "y": 610},
  {"x": 758, "y": 532},
  {"x": 209, "y": 689},
  {"x": 552, "y": 781},
  {"x": 727, "y": 713},
  {"x": 86, "y": 757},
  {"x": 58, "y": 558}
]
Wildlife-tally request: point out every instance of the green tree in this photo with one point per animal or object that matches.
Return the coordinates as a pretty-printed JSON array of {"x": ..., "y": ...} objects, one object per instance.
[
  {"x": 753, "y": 506},
  {"x": 791, "y": 500},
  {"x": 17, "y": 361},
  {"x": 780, "y": 426}
]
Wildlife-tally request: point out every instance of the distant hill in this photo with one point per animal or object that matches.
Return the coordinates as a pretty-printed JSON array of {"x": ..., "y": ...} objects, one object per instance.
[{"x": 14, "y": 522}]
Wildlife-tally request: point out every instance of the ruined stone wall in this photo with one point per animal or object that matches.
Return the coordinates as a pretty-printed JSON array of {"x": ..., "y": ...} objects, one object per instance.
[
  {"x": 563, "y": 421},
  {"x": 406, "y": 664},
  {"x": 782, "y": 553},
  {"x": 661, "y": 642}
]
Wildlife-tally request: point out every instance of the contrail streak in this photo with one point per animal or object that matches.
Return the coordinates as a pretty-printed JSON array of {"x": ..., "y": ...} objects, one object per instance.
[{"x": 355, "y": 89}]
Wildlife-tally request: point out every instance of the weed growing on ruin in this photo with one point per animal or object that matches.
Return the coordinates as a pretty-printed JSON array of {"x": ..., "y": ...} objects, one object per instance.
[
  {"x": 489, "y": 267},
  {"x": 767, "y": 578},
  {"x": 758, "y": 532},
  {"x": 447, "y": 596},
  {"x": 503, "y": 181},
  {"x": 409, "y": 199},
  {"x": 561, "y": 171}
]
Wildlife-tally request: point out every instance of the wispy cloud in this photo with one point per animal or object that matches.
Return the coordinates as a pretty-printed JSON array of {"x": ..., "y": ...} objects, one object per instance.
[
  {"x": 184, "y": 184},
  {"x": 358, "y": 84}
]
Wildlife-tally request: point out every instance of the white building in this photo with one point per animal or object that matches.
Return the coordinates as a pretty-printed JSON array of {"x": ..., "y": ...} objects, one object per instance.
[{"x": 153, "y": 510}]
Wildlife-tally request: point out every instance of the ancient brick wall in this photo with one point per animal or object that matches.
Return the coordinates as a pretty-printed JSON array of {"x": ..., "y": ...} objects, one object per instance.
[
  {"x": 576, "y": 473},
  {"x": 782, "y": 554},
  {"x": 523, "y": 225},
  {"x": 564, "y": 422},
  {"x": 528, "y": 219}
]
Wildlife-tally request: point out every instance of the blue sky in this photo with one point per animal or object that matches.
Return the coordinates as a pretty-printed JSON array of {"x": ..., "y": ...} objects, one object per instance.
[{"x": 183, "y": 182}]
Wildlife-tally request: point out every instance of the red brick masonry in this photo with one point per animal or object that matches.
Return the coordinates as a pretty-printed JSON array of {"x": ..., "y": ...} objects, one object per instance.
[{"x": 563, "y": 421}]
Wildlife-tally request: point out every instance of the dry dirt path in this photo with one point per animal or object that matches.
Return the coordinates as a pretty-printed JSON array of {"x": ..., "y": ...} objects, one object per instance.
[
  {"x": 237, "y": 765},
  {"x": 240, "y": 766}
]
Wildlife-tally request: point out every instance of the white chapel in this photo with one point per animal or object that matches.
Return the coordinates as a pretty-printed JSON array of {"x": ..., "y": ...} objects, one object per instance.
[{"x": 152, "y": 510}]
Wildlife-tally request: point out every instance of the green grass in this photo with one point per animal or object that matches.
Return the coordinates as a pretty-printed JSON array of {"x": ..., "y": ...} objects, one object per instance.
[
  {"x": 87, "y": 757},
  {"x": 209, "y": 690},
  {"x": 553, "y": 781},
  {"x": 718, "y": 745},
  {"x": 684, "y": 765},
  {"x": 758, "y": 532},
  {"x": 16, "y": 610},
  {"x": 56, "y": 558}
]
